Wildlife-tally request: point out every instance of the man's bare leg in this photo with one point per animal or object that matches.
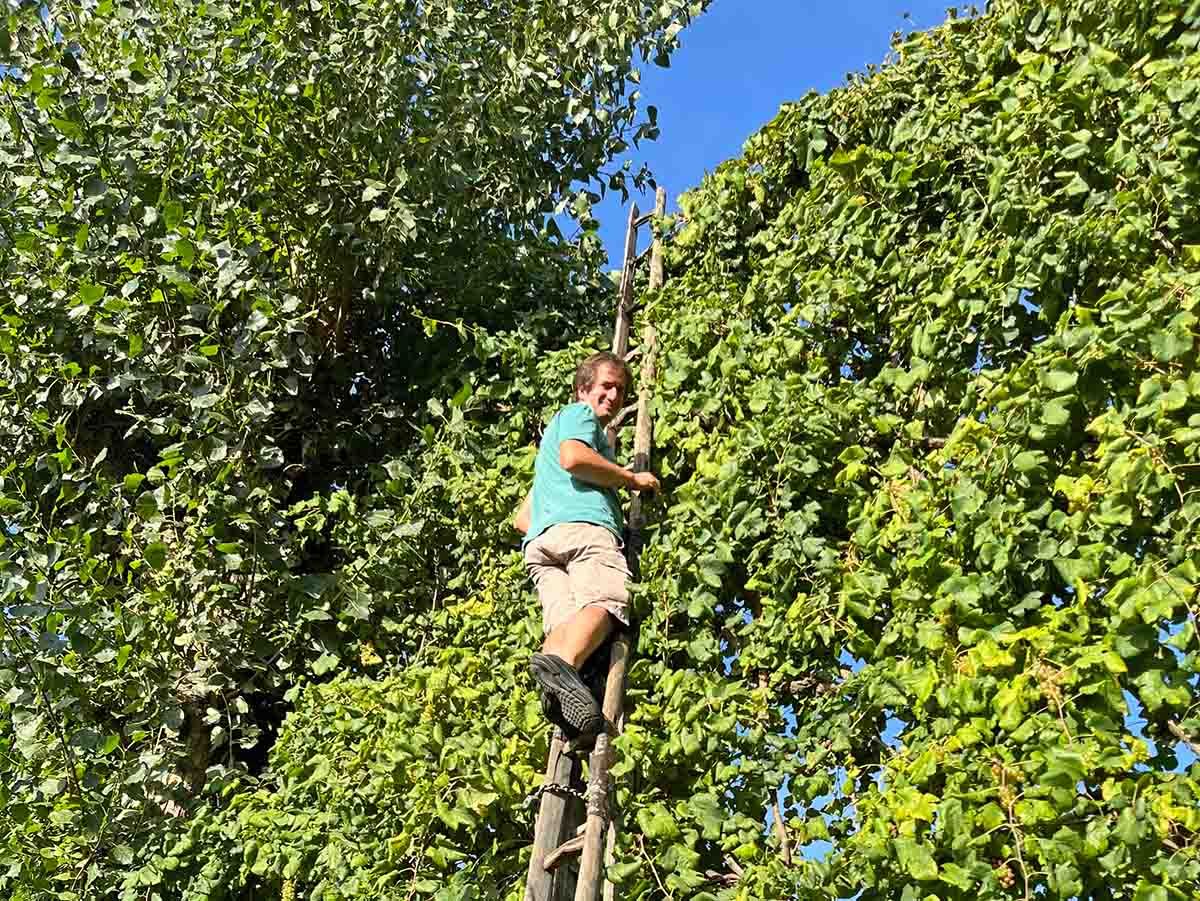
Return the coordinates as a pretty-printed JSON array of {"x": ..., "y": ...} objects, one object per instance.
[{"x": 574, "y": 640}]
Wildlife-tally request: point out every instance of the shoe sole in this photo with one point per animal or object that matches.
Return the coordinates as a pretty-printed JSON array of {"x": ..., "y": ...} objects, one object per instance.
[
  {"x": 550, "y": 709},
  {"x": 580, "y": 714}
]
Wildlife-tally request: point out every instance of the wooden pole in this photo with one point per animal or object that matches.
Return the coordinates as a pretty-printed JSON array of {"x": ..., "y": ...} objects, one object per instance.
[
  {"x": 656, "y": 249},
  {"x": 620, "y": 344},
  {"x": 591, "y": 861},
  {"x": 553, "y": 823}
]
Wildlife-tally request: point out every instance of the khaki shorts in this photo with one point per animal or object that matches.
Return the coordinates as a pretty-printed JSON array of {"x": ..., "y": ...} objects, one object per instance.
[{"x": 576, "y": 565}]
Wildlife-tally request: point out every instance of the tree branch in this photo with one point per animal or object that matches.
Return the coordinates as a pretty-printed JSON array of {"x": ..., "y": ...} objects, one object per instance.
[
  {"x": 37, "y": 155},
  {"x": 785, "y": 843},
  {"x": 1178, "y": 732}
]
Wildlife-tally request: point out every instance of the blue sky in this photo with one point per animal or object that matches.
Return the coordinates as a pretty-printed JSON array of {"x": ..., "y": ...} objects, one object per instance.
[{"x": 738, "y": 63}]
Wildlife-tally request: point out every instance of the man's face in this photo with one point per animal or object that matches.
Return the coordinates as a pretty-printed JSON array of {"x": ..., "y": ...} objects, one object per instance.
[{"x": 607, "y": 393}]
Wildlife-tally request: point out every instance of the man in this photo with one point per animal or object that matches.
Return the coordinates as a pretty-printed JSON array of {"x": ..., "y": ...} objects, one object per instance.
[{"x": 572, "y": 524}]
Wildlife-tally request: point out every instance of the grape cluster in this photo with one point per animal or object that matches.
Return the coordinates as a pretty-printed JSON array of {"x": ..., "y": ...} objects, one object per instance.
[
  {"x": 1047, "y": 679},
  {"x": 1008, "y": 797},
  {"x": 1004, "y": 875}
]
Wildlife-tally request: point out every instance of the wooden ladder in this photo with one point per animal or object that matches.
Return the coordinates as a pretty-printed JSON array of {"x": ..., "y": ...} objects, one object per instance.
[{"x": 575, "y": 834}]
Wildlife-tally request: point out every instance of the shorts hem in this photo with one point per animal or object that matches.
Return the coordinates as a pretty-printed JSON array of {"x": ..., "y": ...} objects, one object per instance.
[{"x": 619, "y": 612}]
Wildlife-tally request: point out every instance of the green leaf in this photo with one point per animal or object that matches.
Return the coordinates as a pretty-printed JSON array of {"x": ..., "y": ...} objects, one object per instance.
[
  {"x": 916, "y": 858},
  {"x": 709, "y": 814},
  {"x": 326, "y": 663},
  {"x": 1128, "y": 830},
  {"x": 172, "y": 215},
  {"x": 147, "y": 505},
  {"x": 122, "y": 854},
  {"x": 90, "y": 294},
  {"x": 712, "y": 572},
  {"x": 1063, "y": 768},
  {"x": 1077, "y": 185},
  {"x": 156, "y": 554},
  {"x": 455, "y": 817},
  {"x": 1148, "y": 892},
  {"x": 620, "y": 873},
  {"x": 1059, "y": 381},
  {"x": 953, "y": 874},
  {"x": 990, "y": 816},
  {"x": 1028, "y": 461},
  {"x": 1056, "y": 413},
  {"x": 1170, "y": 345},
  {"x": 657, "y": 823}
]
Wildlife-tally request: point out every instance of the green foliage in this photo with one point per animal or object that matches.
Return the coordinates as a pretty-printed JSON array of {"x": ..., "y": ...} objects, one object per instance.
[
  {"x": 929, "y": 420},
  {"x": 242, "y": 245},
  {"x": 927, "y": 415},
  {"x": 380, "y": 792}
]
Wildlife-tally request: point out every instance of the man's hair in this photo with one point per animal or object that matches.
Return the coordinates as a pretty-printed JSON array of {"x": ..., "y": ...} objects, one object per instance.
[{"x": 585, "y": 372}]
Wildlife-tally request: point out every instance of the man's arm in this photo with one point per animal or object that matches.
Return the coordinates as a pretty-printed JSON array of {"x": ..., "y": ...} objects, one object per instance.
[
  {"x": 588, "y": 466},
  {"x": 521, "y": 520}
]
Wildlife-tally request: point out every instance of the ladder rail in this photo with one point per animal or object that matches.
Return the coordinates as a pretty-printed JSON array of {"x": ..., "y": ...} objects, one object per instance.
[{"x": 553, "y": 821}]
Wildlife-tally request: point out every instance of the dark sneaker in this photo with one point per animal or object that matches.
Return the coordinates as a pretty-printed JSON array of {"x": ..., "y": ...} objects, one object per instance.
[
  {"x": 560, "y": 685},
  {"x": 580, "y": 748},
  {"x": 594, "y": 672},
  {"x": 550, "y": 709}
]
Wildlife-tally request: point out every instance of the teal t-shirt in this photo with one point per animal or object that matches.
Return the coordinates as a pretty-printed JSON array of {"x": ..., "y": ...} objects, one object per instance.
[{"x": 557, "y": 495}]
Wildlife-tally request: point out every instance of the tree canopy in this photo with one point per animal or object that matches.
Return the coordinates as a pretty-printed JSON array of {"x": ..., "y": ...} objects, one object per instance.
[
  {"x": 245, "y": 247},
  {"x": 923, "y": 581}
]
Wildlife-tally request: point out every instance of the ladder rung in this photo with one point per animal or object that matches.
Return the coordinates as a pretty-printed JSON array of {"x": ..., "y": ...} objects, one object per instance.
[{"x": 570, "y": 846}]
